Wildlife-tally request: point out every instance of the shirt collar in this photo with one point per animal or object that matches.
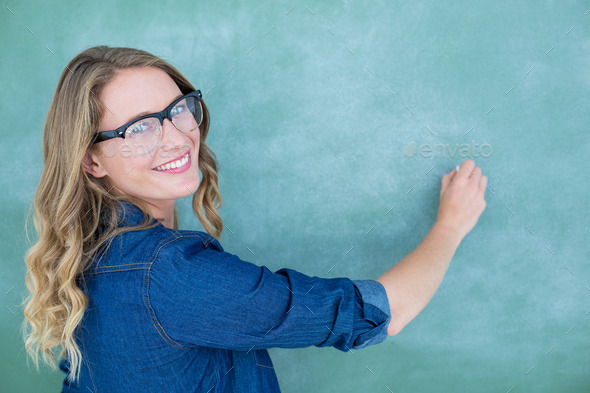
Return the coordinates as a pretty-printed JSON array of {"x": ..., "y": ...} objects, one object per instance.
[{"x": 131, "y": 215}]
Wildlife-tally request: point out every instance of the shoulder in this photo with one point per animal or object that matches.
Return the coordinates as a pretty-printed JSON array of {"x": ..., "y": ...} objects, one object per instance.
[
  {"x": 182, "y": 248},
  {"x": 158, "y": 236},
  {"x": 195, "y": 259},
  {"x": 164, "y": 244},
  {"x": 146, "y": 247},
  {"x": 193, "y": 241}
]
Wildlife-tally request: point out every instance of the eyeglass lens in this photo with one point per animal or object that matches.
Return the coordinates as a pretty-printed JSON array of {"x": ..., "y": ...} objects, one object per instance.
[{"x": 144, "y": 135}]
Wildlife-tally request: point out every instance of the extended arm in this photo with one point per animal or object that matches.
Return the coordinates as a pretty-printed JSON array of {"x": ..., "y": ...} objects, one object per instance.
[{"x": 413, "y": 281}]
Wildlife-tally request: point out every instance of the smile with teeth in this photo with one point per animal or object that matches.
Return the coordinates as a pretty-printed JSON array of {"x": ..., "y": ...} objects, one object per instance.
[{"x": 173, "y": 164}]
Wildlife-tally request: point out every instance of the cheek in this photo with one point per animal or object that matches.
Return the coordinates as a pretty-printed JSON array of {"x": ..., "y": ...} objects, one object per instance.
[
  {"x": 121, "y": 161},
  {"x": 110, "y": 149}
]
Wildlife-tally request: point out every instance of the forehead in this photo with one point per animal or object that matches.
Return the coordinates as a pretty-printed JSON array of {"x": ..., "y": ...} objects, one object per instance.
[{"x": 133, "y": 91}]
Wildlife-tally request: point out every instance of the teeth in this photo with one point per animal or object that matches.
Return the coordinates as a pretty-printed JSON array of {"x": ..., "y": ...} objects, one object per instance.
[{"x": 173, "y": 164}]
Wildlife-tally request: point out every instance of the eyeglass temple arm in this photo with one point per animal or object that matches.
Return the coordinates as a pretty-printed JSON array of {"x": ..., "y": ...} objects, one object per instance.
[{"x": 105, "y": 135}]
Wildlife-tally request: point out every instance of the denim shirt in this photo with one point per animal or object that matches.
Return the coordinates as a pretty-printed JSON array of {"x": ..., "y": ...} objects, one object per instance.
[{"x": 171, "y": 311}]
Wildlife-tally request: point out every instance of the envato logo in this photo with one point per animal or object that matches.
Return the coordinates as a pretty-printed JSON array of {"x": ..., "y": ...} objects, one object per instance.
[
  {"x": 126, "y": 151},
  {"x": 464, "y": 150}
]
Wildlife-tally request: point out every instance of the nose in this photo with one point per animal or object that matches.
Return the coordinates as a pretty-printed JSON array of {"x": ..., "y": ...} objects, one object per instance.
[{"x": 171, "y": 136}]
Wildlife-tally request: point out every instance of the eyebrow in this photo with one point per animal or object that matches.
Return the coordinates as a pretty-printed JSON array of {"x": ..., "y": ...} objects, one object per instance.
[{"x": 147, "y": 113}]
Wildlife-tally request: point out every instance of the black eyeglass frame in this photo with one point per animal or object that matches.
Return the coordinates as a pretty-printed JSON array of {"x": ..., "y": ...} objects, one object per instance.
[{"x": 165, "y": 114}]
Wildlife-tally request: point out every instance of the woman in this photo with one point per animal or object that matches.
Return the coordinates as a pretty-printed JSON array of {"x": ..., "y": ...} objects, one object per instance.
[{"x": 139, "y": 305}]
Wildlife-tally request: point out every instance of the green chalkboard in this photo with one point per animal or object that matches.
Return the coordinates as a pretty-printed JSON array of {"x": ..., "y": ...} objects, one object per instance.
[{"x": 333, "y": 123}]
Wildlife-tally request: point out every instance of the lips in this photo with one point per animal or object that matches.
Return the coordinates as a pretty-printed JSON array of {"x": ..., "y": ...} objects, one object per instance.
[{"x": 174, "y": 163}]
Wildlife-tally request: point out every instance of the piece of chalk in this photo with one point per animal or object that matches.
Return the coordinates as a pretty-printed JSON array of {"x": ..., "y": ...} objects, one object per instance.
[{"x": 457, "y": 168}]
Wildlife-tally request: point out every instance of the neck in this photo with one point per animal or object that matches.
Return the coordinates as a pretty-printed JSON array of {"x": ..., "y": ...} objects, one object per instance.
[{"x": 164, "y": 212}]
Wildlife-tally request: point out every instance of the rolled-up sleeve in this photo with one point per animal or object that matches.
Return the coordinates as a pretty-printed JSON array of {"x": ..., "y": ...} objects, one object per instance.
[
  {"x": 374, "y": 304},
  {"x": 209, "y": 297}
]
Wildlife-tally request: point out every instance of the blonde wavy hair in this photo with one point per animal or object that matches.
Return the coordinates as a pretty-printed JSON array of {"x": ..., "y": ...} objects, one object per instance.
[{"x": 75, "y": 214}]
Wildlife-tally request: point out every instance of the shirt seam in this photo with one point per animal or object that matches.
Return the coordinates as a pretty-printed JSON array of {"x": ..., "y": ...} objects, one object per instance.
[
  {"x": 117, "y": 270},
  {"x": 149, "y": 307},
  {"x": 140, "y": 265}
]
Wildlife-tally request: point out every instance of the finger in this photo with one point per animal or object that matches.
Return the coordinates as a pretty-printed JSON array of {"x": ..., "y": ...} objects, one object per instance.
[
  {"x": 465, "y": 169},
  {"x": 453, "y": 173},
  {"x": 451, "y": 176},
  {"x": 475, "y": 175},
  {"x": 444, "y": 181},
  {"x": 483, "y": 182}
]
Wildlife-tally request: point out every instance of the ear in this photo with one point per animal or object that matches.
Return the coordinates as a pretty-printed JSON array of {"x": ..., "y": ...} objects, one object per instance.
[{"x": 92, "y": 165}]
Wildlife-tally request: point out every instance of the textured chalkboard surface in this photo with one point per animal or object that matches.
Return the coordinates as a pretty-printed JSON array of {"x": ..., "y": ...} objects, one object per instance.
[{"x": 333, "y": 123}]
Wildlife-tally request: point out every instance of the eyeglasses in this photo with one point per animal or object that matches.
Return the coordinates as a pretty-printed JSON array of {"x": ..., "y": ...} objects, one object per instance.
[{"x": 144, "y": 134}]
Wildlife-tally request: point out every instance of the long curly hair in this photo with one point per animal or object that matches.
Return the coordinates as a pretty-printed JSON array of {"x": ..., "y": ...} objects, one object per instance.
[{"x": 75, "y": 214}]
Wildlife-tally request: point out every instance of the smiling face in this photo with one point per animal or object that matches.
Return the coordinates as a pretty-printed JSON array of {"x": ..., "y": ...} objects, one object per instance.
[{"x": 134, "y": 92}]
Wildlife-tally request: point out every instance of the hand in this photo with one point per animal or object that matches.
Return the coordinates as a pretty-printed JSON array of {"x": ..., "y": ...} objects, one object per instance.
[{"x": 462, "y": 198}]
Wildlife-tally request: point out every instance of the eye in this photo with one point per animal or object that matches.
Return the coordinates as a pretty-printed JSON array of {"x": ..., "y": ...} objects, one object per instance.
[
  {"x": 139, "y": 128},
  {"x": 178, "y": 110}
]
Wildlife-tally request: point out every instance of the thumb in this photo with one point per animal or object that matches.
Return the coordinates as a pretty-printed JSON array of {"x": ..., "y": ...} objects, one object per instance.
[{"x": 446, "y": 180}]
